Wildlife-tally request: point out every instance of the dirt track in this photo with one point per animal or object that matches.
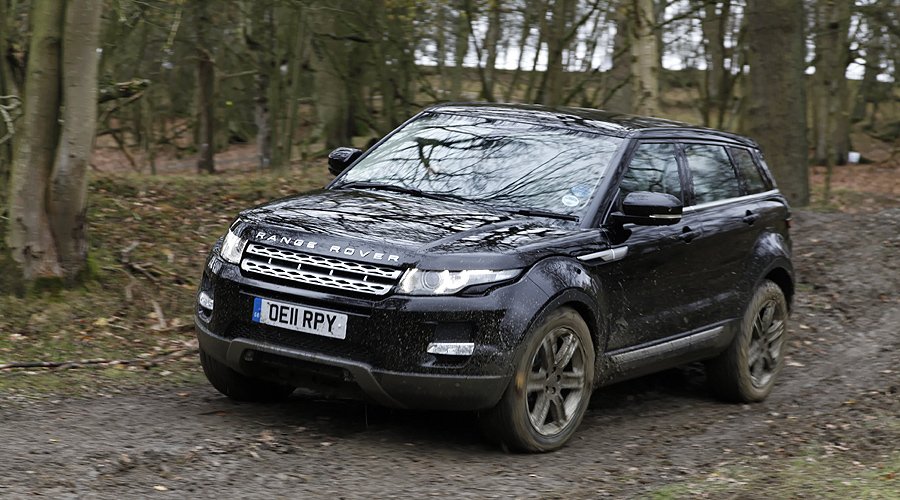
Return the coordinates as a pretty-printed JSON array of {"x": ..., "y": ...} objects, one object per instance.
[{"x": 839, "y": 396}]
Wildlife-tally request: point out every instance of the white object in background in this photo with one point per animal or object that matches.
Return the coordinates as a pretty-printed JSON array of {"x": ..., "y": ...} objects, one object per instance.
[{"x": 853, "y": 157}]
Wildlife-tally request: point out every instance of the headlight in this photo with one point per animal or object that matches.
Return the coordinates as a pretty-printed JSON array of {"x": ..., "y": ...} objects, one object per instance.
[
  {"x": 419, "y": 282},
  {"x": 233, "y": 247}
]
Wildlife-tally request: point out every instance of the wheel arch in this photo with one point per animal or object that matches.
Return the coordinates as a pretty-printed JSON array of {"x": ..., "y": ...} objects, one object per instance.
[
  {"x": 771, "y": 260},
  {"x": 580, "y": 302},
  {"x": 785, "y": 280}
]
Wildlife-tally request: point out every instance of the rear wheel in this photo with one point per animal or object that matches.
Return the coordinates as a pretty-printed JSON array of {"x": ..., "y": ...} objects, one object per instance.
[
  {"x": 746, "y": 372},
  {"x": 240, "y": 387},
  {"x": 549, "y": 394}
]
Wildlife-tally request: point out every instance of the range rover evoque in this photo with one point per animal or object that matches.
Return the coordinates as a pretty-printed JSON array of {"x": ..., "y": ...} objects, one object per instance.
[{"x": 507, "y": 259}]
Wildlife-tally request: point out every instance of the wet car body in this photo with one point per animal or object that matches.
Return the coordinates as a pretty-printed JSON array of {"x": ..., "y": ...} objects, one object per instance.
[{"x": 652, "y": 296}]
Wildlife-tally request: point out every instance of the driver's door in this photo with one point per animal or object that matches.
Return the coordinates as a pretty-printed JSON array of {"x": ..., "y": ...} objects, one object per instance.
[{"x": 653, "y": 291}]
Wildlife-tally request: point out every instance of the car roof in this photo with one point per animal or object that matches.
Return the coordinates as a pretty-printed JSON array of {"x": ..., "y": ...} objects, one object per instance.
[{"x": 606, "y": 122}]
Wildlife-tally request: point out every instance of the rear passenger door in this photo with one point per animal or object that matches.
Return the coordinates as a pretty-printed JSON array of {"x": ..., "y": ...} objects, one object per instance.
[{"x": 729, "y": 226}]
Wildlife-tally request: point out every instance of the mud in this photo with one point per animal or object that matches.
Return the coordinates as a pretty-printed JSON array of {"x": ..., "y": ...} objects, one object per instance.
[{"x": 840, "y": 386}]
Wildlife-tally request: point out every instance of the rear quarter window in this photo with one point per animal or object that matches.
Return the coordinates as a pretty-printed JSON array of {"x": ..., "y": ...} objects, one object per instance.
[{"x": 744, "y": 163}]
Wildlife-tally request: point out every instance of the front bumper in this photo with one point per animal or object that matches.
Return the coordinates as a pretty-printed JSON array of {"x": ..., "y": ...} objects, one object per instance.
[
  {"x": 383, "y": 358},
  {"x": 342, "y": 376}
]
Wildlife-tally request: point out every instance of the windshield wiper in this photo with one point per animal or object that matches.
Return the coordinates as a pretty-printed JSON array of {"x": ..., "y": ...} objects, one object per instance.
[
  {"x": 400, "y": 189},
  {"x": 544, "y": 213}
]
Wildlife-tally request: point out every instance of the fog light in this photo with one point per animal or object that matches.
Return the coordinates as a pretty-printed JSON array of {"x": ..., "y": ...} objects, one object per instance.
[
  {"x": 452, "y": 348},
  {"x": 205, "y": 301}
]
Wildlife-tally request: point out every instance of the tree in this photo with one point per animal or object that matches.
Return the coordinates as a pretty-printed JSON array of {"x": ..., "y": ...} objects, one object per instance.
[
  {"x": 715, "y": 87},
  {"x": 9, "y": 101},
  {"x": 777, "y": 114},
  {"x": 645, "y": 53},
  {"x": 618, "y": 78},
  {"x": 551, "y": 89},
  {"x": 48, "y": 184},
  {"x": 830, "y": 97},
  {"x": 492, "y": 42},
  {"x": 460, "y": 49},
  {"x": 206, "y": 87},
  {"x": 333, "y": 64}
]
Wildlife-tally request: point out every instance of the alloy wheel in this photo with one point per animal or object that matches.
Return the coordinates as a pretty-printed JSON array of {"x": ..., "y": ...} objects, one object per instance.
[
  {"x": 766, "y": 341},
  {"x": 556, "y": 384}
]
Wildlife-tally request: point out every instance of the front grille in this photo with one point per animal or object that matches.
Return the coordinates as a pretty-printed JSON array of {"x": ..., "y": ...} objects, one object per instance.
[{"x": 317, "y": 271}]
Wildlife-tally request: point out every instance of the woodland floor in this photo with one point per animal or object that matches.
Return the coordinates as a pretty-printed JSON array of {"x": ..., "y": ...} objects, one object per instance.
[{"x": 153, "y": 427}]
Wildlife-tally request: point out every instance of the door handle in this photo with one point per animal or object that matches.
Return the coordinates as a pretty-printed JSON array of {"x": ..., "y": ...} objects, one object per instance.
[
  {"x": 687, "y": 234},
  {"x": 750, "y": 218}
]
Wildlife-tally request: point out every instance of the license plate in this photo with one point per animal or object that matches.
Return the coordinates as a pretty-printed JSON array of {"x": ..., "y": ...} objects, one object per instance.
[{"x": 299, "y": 318}]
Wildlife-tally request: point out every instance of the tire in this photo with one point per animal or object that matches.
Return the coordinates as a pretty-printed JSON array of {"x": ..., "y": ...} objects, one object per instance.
[
  {"x": 240, "y": 387},
  {"x": 747, "y": 370},
  {"x": 548, "y": 395}
]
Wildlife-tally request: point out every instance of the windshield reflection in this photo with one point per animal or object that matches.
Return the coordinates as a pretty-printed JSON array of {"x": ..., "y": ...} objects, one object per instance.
[{"x": 506, "y": 164}]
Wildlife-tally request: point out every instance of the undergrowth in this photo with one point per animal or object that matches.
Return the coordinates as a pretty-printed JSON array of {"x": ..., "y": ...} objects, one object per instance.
[{"x": 149, "y": 237}]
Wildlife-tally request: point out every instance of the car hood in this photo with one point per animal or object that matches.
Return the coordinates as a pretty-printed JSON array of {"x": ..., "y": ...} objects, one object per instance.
[{"x": 399, "y": 228}]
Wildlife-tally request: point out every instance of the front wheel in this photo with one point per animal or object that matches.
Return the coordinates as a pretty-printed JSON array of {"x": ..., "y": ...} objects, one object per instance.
[
  {"x": 551, "y": 387},
  {"x": 746, "y": 371}
]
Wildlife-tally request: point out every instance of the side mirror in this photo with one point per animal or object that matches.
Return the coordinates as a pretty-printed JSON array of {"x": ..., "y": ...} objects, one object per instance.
[
  {"x": 649, "y": 209},
  {"x": 341, "y": 158}
]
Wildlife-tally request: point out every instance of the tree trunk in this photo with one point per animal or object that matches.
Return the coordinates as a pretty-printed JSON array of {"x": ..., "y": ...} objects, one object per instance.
[
  {"x": 492, "y": 40},
  {"x": 440, "y": 42},
  {"x": 839, "y": 101},
  {"x": 461, "y": 48},
  {"x": 257, "y": 38},
  {"x": 29, "y": 237},
  {"x": 206, "y": 85},
  {"x": 206, "y": 82},
  {"x": 832, "y": 100},
  {"x": 618, "y": 89},
  {"x": 532, "y": 76},
  {"x": 777, "y": 114},
  {"x": 383, "y": 73},
  {"x": 7, "y": 88},
  {"x": 715, "y": 85},
  {"x": 551, "y": 89},
  {"x": 330, "y": 62},
  {"x": 261, "y": 116},
  {"x": 645, "y": 53},
  {"x": 868, "y": 88},
  {"x": 527, "y": 21},
  {"x": 301, "y": 42},
  {"x": 67, "y": 204}
]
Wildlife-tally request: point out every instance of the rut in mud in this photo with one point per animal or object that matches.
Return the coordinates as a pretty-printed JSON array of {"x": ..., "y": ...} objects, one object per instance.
[{"x": 839, "y": 388}]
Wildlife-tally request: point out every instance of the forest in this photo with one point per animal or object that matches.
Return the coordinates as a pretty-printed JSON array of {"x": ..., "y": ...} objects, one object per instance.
[
  {"x": 283, "y": 82},
  {"x": 132, "y": 132}
]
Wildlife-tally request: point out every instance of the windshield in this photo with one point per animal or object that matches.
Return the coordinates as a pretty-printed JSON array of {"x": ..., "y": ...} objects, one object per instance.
[{"x": 507, "y": 164}]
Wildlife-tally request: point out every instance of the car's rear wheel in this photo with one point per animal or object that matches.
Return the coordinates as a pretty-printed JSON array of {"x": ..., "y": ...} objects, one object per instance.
[
  {"x": 240, "y": 387},
  {"x": 551, "y": 387},
  {"x": 746, "y": 372}
]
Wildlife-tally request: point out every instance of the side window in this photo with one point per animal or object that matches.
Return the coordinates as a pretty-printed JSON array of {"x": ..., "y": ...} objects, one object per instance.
[
  {"x": 743, "y": 160},
  {"x": 653, "y": 168},
  {"x": 714, "y": 178}
]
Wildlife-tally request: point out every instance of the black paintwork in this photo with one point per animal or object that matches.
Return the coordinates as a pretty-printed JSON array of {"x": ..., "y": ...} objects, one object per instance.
[{"x": 676, "y": 280}]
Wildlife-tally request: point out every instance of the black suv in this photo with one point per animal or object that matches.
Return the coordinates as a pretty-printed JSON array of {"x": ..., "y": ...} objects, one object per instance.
[{"x": 507, "y": 259}]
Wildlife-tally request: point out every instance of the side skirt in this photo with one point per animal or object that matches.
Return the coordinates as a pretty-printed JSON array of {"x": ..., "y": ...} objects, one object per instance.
[{"x": 631, "y": 362}]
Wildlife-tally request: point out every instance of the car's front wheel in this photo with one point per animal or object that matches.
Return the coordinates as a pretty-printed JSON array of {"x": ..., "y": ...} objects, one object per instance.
[
  {"x": 551, "y": 387},
  {"x": 238, "y": 386},
  {"x": 746, "y": 371}
]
